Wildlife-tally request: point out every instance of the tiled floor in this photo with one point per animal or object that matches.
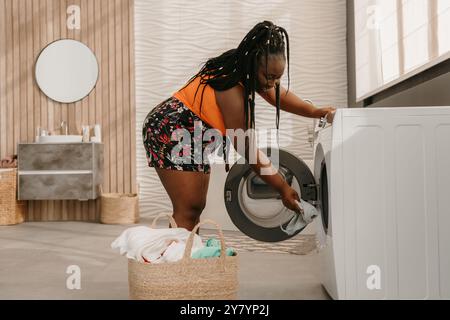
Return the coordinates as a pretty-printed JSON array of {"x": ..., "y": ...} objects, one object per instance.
[{"x": 34, "y": 258}]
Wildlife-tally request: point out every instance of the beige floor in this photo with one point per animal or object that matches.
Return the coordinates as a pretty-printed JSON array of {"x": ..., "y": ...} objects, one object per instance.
[{"x": 34, "y": 258}]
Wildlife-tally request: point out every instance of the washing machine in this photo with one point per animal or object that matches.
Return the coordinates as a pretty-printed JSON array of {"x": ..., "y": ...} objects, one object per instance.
[{"x": 383, "y": 179}]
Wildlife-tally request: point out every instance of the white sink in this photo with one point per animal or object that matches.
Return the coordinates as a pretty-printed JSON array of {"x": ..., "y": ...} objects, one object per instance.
[{"x": 60, "y": 139}]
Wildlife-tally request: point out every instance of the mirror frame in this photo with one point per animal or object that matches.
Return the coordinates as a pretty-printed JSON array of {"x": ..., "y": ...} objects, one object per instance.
[{"x": 36, "y": 77}]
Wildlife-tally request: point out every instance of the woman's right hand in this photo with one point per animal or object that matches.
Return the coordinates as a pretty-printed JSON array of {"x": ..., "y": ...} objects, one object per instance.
[{"x": 289, "y": 197}]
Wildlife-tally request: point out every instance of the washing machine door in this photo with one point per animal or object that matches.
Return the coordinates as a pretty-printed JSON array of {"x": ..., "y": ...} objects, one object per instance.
[{"x": 256, "y": 208}]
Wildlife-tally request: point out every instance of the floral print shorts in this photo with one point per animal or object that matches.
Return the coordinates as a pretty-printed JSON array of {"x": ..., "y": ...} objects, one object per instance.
[{"x": 173, "y": 138}]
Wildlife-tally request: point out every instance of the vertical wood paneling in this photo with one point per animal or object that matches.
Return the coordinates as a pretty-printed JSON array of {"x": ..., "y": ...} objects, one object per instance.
[
  {"x": 64, "y": 33},
  {"x": 112, "y": 96},
  {"x": 107, "y": 27},
  {"x": 15, "y": 81},
  {"x": 125, "y": 95},
  {"x": 81, "y": 107},
  {"x": 48, "y": 206},
  {"x": 51, "y": 121},
  {"x": 57, "y": 119},
  {"x": 29, "y": 67},
  {"x": 45, "y": 207},
  {"x": 22, "y": 102},
  {"x": 119, "y": 102},
  {"x": 132, "y": 97},
  {"x": 97, "y": 13},
  {"x": 3, "y": 113},
  {"x": 36, "y": 14},
  {"x": 90, "y": 205},
  {"x": 64, "y": 109},
  {"x": 9, "y": 80},
  {"x": 105, "y": 91},
  {"x": 44, "y": 116}
]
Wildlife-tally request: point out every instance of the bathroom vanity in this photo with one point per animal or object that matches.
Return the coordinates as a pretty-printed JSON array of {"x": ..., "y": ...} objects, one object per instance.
[{"x": 59, "y": 171}]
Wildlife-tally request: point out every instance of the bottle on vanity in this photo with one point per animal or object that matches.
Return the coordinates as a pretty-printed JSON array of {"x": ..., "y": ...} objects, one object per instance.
[
  {"x": 85, "y": 132},
  {"x": 97, "y": 134}
]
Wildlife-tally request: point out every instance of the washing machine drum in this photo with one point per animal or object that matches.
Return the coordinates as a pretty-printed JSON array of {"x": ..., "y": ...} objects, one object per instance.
[{"x": 256, "y": 208}]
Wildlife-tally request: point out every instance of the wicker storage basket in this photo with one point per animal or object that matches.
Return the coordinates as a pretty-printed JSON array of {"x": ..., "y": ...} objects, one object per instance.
[
  {"x": 12, "y": 211},
  {"x": 187, "y": 279},
  {"x": 119, "y": 208}
]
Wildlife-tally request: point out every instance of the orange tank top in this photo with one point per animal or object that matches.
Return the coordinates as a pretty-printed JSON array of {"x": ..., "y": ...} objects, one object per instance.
[{"x": 210, "y": 111}]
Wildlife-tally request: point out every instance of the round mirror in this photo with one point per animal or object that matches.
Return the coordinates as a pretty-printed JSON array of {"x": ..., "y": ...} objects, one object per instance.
[{"x": 66, "y": 70}]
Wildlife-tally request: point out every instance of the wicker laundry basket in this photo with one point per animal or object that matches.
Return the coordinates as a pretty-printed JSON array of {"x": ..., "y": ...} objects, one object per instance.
[
  {"x": 119, "y": 208},
  {"x": 12, "y": 211},
  {"x": 187, "y": 279}
]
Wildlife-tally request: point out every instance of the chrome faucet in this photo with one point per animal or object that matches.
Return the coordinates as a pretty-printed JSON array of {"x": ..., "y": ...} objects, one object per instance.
[{"x": 64, "y": 128}]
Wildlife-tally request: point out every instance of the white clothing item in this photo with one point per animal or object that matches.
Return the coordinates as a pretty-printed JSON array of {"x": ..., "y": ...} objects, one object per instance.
[
  {"x": 175, "y": 251},
  {"x": 144, "y": 242},
  {"x": 300, "y": 221},
  {"x": 309, "y": 211}
]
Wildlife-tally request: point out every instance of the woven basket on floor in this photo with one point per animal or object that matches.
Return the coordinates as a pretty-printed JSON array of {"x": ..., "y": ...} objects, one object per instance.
[
  {"x": 187, "y": 279},
  {"x": 119, "y": 208},
  {"x": 12, "y": 211}
]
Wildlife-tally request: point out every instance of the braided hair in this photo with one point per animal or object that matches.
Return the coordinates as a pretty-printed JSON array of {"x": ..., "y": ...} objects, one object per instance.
[{"x": 241, "y": 65}]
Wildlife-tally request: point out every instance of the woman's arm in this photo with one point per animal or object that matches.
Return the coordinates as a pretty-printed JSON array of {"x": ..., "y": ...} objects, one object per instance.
[
  {"x": 293, "y": 104},
  {"x": 232, "y": 105}
]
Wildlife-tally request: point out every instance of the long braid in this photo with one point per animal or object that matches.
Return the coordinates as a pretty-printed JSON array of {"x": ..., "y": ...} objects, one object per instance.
[
  {"x": 240, "y": 65},
  {"x": 285, "y": 34},
  {"x": 277, "y": 103}
]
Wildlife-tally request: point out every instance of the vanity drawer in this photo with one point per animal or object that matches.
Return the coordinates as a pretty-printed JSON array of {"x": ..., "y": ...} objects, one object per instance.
[
  {"x": 57, "y": 186},
  {"x": 65, "y": 156},
  {"x": 59, "y": 171}
]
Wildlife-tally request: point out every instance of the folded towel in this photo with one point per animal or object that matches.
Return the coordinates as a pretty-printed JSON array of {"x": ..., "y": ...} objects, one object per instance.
[{"x": 300, "y": 221}]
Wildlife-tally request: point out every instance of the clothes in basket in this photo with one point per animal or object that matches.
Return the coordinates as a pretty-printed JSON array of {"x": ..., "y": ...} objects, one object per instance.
[
  {"x": 212, "y": 249},
  {"x": 145, "y": 244}
]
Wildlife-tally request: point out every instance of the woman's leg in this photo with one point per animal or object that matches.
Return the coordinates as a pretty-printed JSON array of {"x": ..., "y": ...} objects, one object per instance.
[{"x": 187, "y": 190}]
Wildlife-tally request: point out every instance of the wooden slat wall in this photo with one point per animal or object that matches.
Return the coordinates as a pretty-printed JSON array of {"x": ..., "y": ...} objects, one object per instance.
[{"x": 107, "y": 27}]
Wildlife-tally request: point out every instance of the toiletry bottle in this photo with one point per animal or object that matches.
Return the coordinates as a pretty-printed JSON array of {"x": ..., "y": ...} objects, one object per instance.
[
  {"x": 85, "y": 132},
  {"x": 38, "y": 134},
  {"x": 98, "y": 133}
]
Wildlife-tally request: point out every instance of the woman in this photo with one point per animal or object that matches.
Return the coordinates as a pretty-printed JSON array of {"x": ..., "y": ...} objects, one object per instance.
[{"x": 221, "y": 96}]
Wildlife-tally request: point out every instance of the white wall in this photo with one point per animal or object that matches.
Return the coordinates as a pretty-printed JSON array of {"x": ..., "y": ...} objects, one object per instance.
[{"x": 174, "y": 37}]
